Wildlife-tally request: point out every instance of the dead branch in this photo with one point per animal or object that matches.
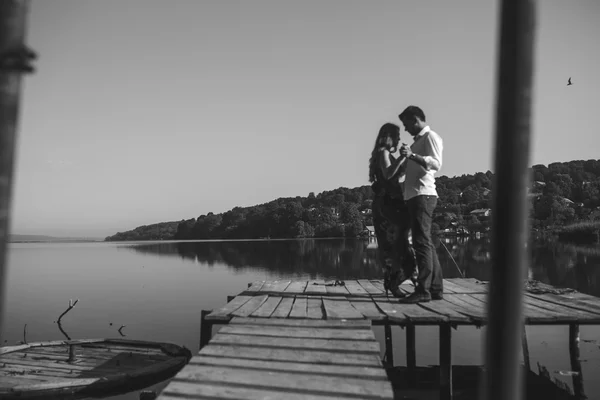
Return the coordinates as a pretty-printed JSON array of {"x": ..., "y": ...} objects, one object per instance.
[
  {"x": 71, "y": 305},
  {"x": 60, "y": 328},
  {"x": 25, "y": 334},
  {"x": 121, "y": 333}
]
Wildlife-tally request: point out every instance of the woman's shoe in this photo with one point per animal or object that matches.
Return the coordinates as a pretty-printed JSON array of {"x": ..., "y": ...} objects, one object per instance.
[{"x": 390, "y": 283}]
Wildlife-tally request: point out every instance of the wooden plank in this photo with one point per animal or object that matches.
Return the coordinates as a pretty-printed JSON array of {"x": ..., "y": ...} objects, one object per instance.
[
  {"x": 299, "y": 308},
  {"x": 557, "y": 313},
  {"x": 184, "y": 390},
  {"x": 355, "y": 289},
  {"x": 63, "y": 367},
  {"x": 315, "y": 308},
  {"x": 399, "y": 312},
  {"x": 274, "y": 287},
  {"x": 80, "y": 364},
  {"x": 474, "y": 309},
  {"x": 447, "y": 309},
  {"x": 391, "y": 312},
  {"x": 315, "y": 287},
  {"x": 285, "y": 381},
  {"x": 451, "y": 287},
  {"x": 284, "y": 308},
  {"x": 337, "y": 290},
  {"x": 367, "y": 307},
  {"x": 531, "y": 312},
  {"x": 296, "y": 287},
  {"x": 584, "y": 310},
  {"x": 299, "y": 332},
  {"x": 297, "y": 355},
  {"x": 378, "y": 284},
  {"x": 224, "y": 312},
  {"x": 448, "y": 288},
  {"x": 267, "y": 308},
  {"x": 292, "y": 366},
  {"x": 250, "y": 306},
  {"x": 331, "y": 324},
  {"x": 343, "y": 346},
  {"x": 254, "y": 288},
  {"x": 369, "y": 287},
  {"x": 340, "y": 308},
  {"x": 578, "y": 300},
  {"x": 470, "y": 285}
]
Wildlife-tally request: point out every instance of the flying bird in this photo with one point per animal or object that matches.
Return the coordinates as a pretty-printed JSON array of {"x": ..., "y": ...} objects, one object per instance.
[{"x": 570, "y": 83}]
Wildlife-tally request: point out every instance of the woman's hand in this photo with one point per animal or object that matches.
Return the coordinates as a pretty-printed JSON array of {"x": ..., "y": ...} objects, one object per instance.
[{"x": 405, "y": 150}]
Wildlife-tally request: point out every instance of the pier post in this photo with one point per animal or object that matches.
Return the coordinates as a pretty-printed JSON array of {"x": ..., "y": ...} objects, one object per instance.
[
  {"x": 525, "y": 347},
  {"x": 389, "y": 347},
  {"x": 445, "y": 362},
  {"x": 514, "y": 88},
  {"x": 205, "y": 328},
  {"x": 411, "y": 353},
  {"x": 575, "y": 362},
  {"x": 15, "y": 59}
]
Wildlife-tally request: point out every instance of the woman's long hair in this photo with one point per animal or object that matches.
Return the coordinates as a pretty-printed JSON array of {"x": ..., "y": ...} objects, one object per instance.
[{"x": 388, "y": 138}]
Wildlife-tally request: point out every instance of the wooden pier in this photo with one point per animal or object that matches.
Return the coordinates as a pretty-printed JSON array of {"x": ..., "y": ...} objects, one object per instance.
[{"x": 295, "y": 339}]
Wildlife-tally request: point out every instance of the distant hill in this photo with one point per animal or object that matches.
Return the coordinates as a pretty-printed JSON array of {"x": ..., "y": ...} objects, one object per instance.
[
  {"x": 560, "y": 194},
  {"x": 45, "y": 238}
]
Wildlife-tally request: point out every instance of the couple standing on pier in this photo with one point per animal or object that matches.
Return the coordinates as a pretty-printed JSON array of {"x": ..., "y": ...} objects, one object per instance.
[{"x": 404, "y": 199}]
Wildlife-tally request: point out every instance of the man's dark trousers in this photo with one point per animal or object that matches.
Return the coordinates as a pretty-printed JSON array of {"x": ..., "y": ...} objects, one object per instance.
[{"x": 430, "y": 272}]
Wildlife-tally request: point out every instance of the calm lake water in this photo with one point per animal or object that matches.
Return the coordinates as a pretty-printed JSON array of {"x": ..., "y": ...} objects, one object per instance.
[{"x": 157, "y": 290}]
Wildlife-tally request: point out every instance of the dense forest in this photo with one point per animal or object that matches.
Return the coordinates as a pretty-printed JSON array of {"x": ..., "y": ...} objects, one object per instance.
[{"x": 560, "y": 194}]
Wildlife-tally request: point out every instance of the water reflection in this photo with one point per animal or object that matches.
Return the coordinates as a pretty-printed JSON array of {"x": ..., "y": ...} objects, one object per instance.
[{"x": 559, "y": 264}]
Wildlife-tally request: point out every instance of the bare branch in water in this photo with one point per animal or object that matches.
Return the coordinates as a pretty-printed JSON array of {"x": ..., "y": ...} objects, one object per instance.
[
  {"x": 121, "y": 333},
  {"x": 71, "y": 305},
  {"x": 60, "y": 328}
]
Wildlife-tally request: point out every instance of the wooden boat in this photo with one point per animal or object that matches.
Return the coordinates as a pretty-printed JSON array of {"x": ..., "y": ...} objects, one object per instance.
[{"x": 75, "y": 369}]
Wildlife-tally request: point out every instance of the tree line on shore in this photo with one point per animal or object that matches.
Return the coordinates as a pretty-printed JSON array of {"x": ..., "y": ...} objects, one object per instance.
[{"x": 560, "y": 194}]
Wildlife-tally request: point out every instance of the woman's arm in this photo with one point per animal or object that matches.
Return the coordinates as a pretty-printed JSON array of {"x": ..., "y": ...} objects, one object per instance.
[{"x": 390, "y": 166}]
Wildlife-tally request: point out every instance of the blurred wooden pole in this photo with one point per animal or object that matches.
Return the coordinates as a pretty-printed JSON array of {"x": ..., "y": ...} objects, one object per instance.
[
  {"x": 503, "y": 377},
  {"x": 14, "y": 61}
]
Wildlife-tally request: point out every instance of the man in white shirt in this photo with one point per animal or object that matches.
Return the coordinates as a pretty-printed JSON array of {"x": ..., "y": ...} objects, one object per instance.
[{"x": 424, "y": 160}]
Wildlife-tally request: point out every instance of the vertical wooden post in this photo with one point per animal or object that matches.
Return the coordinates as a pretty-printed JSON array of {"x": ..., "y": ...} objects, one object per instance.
[
  {"x": 205, "y": 328},
  {"x": 575, "y": 362},
  {"x": 389, "y": 347},
  {"x": 445, "y": 362},
  {"x": 411, "y": 353},
  {"x": 71, "y": 353},
  {"x": 514, "y": 86},
  {"x": 525, "y": 347},
  {"x": 14, "y": 61}
]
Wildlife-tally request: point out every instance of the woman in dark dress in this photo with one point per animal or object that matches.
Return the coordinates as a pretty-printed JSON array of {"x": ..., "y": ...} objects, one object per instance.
[{"x": 390, "y": 214}]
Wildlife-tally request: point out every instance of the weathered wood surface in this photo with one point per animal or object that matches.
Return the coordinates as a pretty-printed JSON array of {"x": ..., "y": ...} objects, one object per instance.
[
  {"x": 258, "y": 358},
  {"x": 465, "y": 303},
  {"x": 99, "y": 367}
]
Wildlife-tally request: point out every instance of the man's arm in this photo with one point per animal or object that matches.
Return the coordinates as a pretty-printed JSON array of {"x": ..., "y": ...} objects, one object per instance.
[{"x": 432, "y": 157}]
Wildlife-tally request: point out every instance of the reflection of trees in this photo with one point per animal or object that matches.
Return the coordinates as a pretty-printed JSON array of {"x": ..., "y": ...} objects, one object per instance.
[
  {"x": 567, "y": 265},
  {"x": 340, "y": 258},
  {"x": 555, "y": 263}
]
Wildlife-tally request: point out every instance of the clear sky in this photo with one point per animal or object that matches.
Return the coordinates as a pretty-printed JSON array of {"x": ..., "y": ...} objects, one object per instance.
[{"x": 144, "y": 111}]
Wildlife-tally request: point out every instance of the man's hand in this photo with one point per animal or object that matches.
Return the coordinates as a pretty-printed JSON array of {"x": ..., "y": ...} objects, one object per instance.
[{"x": 405, "y": 150}]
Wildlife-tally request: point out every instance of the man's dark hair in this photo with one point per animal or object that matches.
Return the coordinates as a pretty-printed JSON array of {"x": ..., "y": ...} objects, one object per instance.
[{"x": 411, "y": 112}]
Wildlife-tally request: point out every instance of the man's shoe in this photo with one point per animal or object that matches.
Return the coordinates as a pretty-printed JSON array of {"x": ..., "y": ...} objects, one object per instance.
[
  {"x": 416, "y": 297},
  {"x": 437, "y": 296}
]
